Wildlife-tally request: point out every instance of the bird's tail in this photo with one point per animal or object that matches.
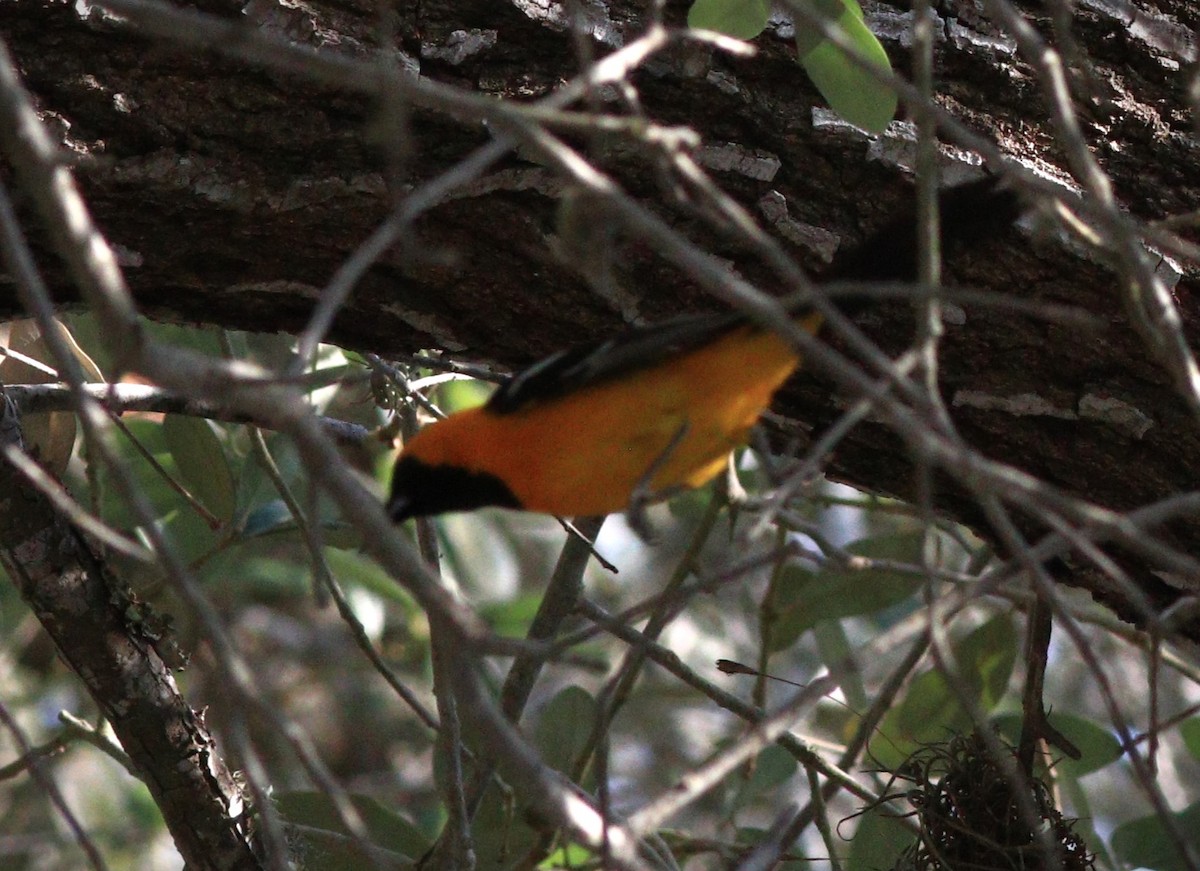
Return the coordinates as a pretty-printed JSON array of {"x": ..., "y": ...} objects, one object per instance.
[{"x": 970, "y": 214}]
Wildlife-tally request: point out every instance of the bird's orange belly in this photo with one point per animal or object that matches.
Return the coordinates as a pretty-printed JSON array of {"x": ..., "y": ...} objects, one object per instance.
[{"x": 673, "y": 428}]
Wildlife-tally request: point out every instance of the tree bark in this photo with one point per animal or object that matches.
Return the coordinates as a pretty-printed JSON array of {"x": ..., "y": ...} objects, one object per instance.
[
  {"x": 110, "y": 641},
  {"x": 234, "y": 194}
]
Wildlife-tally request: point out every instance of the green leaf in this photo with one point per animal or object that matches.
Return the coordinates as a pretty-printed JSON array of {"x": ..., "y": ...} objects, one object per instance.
[
  {"x": 985, "y": 659},
  {"x": 353, "y": 569},
  {"x": 929, "y": 712},
  {"x": 691, "y": 505},
  {"x": 741, "y": 19},
  {"x": 1096, "y": 743},
  {"x": 194, "y": 538},
  {"x": 201, "y": 461},
  {"x": 833, "y": 647},
  {"x": 570, "y": 856},
  {"x": 275, "y": 518},
  {"x": 809, "y": 37},
  {"x": 385, "y": 828},
  {"x": 749, "y": 837},
  {"x": 258, "y": 579},
  {"x": 461, "y": 394},
  {"x": 114, "y": 508},
  {"x": 563, "y": 727},
  {"x": 773, "y": 767},
  {"x": 878, "y": 842},
  {"x": 205, "y": 340},
  {"x": 851, "y": 91},
  {"x": 804, "y": 599},
  {"x": 511, "y": 617},
  {"x": 501, "y": 830},
  {"x": 1145, "y": 843},
  {"x": 267, "y": 519},
  {"x": 1189, "y": 730}
]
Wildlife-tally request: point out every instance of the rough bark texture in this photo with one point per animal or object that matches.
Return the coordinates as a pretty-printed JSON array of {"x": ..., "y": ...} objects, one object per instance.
[
  {"x": 234, "y": 195},
  {"x": 103, "y": 635}
]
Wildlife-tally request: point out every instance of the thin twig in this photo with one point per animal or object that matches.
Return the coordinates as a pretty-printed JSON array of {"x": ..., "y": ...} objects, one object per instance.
[{"x": 36, "y": 768}]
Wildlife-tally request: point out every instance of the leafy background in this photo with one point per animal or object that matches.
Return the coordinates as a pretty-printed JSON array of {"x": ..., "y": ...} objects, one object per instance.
[{"x": 212, "y": 493}]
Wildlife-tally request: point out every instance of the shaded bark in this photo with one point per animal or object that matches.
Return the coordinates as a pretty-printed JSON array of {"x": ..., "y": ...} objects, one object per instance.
[{"x": 234, "y": 195}]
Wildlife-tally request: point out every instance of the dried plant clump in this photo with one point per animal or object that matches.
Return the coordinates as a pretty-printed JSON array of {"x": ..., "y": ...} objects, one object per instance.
[{"x": 971, "y": 818}]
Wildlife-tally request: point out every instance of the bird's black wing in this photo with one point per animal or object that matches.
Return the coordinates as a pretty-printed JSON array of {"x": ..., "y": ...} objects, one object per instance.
[
  {"x": 969, "y": 213},
  {"x": 591, "y": 364}
]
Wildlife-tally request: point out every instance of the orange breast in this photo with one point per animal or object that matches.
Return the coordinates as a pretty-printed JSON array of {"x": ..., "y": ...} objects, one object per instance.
[{"x": 585, "y": 453}]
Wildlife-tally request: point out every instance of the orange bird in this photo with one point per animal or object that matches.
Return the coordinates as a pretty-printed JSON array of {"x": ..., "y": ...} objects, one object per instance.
[{"x": 658, "y": 408}]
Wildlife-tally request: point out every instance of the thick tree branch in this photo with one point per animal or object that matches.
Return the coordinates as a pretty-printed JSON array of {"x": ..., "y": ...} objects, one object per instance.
[{"x": 102, "y": 634}]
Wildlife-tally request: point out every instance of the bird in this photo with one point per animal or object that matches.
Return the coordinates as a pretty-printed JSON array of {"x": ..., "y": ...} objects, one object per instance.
[{"x": 656, "y": 409}]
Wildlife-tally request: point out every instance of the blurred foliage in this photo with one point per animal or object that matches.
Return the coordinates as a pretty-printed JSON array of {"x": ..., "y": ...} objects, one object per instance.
[{"x": 857, "y": 568}]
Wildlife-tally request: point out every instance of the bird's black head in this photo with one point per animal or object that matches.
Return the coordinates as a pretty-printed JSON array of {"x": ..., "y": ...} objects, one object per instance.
[{"x": 419, "y": 489}]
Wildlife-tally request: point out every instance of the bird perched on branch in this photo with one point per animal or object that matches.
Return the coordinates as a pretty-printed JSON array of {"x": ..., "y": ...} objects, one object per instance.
[{"x": 653, "y": 410}]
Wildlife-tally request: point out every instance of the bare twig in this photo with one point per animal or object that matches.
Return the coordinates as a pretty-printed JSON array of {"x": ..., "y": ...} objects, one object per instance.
[{"x": 36, "y": 767}]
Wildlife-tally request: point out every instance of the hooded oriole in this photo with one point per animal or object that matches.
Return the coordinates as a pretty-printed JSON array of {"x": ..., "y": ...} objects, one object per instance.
[{"x": 657, "y": 408}]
